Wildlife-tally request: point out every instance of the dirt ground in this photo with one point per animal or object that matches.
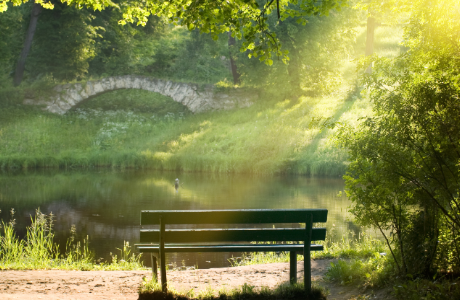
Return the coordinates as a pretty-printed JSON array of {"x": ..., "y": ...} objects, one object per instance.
[{"x": 117, "y": 285}]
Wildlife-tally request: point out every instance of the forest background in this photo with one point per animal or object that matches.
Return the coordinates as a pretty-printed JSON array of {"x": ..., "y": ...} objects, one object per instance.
[
  {"x": 73, "y": 44},
  {"x": 394, "y": 126}
]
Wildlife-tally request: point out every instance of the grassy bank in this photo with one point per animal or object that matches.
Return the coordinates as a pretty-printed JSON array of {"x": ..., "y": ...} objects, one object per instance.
[
  {"x": 280, "y": 133},
  {"x": 288, "y": 136}
]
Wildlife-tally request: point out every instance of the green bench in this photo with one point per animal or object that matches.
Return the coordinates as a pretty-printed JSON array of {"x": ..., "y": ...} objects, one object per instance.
[{"x": 161, "y": 240}]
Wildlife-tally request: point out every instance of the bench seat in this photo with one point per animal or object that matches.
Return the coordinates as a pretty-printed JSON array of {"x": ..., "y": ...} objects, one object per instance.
[{"x": 298, "y": 248}]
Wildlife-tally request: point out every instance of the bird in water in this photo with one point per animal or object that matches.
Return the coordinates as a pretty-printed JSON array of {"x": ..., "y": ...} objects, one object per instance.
[{"x": 176, "y": 184}]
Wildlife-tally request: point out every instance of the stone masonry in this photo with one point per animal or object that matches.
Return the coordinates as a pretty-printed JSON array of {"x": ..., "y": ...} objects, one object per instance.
[{"x": 196, "y": 98}]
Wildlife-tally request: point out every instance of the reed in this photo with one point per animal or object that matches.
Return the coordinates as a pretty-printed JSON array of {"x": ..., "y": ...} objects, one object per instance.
[{"x": 39, "y": 251}]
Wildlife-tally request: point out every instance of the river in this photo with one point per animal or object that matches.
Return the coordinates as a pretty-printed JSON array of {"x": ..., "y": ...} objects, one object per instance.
[{"x": 105, "y": 204}]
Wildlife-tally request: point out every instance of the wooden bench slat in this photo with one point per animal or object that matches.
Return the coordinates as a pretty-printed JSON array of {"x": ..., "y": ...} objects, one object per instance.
[
  {"x": 244, "y": 216},
  {"x": 231, "y": 235},
  {"x": 228, "y": 248}
]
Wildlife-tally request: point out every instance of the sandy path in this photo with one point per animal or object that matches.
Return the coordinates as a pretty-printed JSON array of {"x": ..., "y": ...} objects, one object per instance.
[
  {"x": 88, "y": 285},
  {"x": 117, "y": 285}
]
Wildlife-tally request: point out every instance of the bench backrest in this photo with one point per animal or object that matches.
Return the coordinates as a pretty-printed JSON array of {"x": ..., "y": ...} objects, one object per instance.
[{"x": 220, "y": 217}]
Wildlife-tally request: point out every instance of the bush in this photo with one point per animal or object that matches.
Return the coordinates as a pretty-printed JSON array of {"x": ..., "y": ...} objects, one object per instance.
[
  {"x": 376, "y": 271},
  {"x": 428, "y": 290}
]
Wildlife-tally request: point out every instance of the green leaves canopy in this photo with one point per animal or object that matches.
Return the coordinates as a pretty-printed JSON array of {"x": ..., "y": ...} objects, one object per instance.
[{"x": 244, "y": 18}]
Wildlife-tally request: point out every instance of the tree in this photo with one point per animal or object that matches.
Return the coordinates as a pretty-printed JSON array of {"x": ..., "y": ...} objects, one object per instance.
[
  {"x": 233, "y": 68},
  {"x": 405, "y": 159},
  {"x": 64, "y": 43},
  {"x": 370, "y": 39},
  {"x": 11, "y": 37},
  {"x": 314, "y": 50},
  {"x": 34, "y": 14},
  {"x": 129, "y": 49},
  {"x": 199, "y": 58}
]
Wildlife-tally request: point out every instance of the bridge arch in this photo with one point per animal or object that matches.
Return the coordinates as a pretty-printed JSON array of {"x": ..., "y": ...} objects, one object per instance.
[{"x": 196, "y": 98}]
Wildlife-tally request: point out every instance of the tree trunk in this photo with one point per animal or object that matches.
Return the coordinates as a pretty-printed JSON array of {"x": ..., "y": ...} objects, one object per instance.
[
  {"x": 294, "y": 70},
  {"x": 231, "y": 44},
  {"x": 36, "y": 10},
  {"x": 370, "y": 40}
]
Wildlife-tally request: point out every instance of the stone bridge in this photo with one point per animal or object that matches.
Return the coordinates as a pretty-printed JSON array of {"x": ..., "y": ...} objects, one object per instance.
[{"x": 196, "y": 98}]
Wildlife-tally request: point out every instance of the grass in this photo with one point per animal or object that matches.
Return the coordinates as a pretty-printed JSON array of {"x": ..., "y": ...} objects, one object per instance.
[
  {"x": 270, "y": 137},
  {"x": 375, "y": 271},
  {"x": 379, "y": 271},
  {"x": 350, "y": 246},
  {"x": 39, "y": 251},
  {"x": 361, "y": 261},
  {"x": 439, "y": 289},
  {"x": 151, "y": 289}
]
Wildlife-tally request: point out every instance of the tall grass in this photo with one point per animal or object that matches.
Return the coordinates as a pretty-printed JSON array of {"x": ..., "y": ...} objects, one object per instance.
[
  {"x": 349, "y": 246},
  {"x": 376, "y": 271},
  {"x": 39, "y": 251},
  {"x": 361, "y": 260}
]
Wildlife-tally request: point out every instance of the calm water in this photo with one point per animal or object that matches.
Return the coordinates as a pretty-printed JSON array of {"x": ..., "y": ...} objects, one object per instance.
[{"x": 106, "y": 205}]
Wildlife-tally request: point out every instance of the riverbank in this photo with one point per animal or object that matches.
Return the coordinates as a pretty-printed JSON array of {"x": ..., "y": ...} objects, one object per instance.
[
  {"x": 92, "y": 285},
  {"x": 140, "y": 129}
]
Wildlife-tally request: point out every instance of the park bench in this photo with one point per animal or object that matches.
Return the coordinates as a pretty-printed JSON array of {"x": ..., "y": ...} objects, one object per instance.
[{"x": 160, "y": 240}]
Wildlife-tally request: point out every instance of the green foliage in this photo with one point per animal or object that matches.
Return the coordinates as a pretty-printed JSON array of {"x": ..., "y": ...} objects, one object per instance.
[
  {"x": 201, "y": 59},
  {"x": 376, "y": 271},
  {"x": 4, "y": 5},
  {"x": 74, "y": 44},
  {"x": 346, "y": 272},
  {"x": 246, "y": 19},
  {"x": 350, "y": 246},
  {"x": 129, "y": 49},
  {"x": 256, "y": 258},
  {"x": 169, "y": 52},
  {"x": 403, "y": 176},
  {"x": 39, "y": 251},
  {"x": 442, "y": 289},
  {"x": 12, "y": 25},
  {"x": 314, "y": 50},
  {"x": 64, "y": 43}
]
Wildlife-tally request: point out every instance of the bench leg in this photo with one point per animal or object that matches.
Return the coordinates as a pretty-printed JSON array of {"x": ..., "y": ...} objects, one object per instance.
[
  {"x": 306, "y": 254},
  {"x": 293, "y": 266},
  {"x": 154, "y": 266},
  {"x": 164, "y": 284}
]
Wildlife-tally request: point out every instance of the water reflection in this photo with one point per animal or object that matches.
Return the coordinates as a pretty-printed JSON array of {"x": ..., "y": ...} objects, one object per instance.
[{"x": 106, "y": 204}]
